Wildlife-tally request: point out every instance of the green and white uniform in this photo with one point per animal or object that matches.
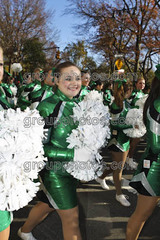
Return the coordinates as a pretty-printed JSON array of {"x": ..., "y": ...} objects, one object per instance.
[
  {"x": 36, "y": 97},
  {"x": 107, "y": 97},
  {"x": 147, "y": 176},
  {"x": 136, "y": 95},
  {"x": 7, "y": 93},
  {"x": 59, "y": 186},
  {"x": 4, "y": 104},
  {"x": 83, "y": 92},
  {"x": 119, "y": 140},
  {"x": 23, "y": 100}
]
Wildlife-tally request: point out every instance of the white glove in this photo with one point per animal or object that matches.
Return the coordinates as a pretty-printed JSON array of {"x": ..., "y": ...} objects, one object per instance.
[
  {"x": 83, "y": 155},
  {"x": 84, "y": 165}
]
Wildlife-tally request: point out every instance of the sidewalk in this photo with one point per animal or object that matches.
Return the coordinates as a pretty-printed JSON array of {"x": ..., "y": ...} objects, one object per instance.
[{"x": 101, "y": 216}]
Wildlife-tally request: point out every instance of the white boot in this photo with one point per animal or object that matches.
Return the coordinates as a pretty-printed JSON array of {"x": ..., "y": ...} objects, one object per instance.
[
  {"x": 103, "y": 183},
  {"x": 25, "y": 236},
  {"x": 131, "y": 163},
  {"x": 122, "y": 199}
]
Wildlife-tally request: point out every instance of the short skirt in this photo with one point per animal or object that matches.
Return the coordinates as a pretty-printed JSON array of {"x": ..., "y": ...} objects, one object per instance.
[
  {"x": 59, "y": 188},
  {"x": 146, "y": 179},
  {"x": 5, "y": 220}
]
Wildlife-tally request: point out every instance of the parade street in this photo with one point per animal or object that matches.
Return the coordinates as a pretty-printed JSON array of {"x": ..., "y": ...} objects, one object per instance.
[{"x": 101, "y": 216}]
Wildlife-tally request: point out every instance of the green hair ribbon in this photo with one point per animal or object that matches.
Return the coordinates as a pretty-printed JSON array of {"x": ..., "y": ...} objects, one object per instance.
[
  {"x": 157, "y": 72},
  {"x": 120, "y": 82}
]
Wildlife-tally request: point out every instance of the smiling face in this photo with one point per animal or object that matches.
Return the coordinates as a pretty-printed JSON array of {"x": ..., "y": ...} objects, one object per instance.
[
  {"x": 140, "y": 85},
  {"x": 69, "y": 82},
  {"x": 1, "y": 64}
]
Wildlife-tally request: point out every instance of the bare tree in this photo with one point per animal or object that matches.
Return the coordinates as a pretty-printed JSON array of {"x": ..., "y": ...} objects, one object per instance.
[
  {"x": 21, "y": 20},
  {"x": 128, "y": 27}
]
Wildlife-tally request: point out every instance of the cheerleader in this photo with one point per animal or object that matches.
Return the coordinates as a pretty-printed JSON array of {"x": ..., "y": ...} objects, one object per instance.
[
  {"x": 119, "y": 143},
  {"x": 86, "y": 78},
  {"x": 108, "y": 96},
  {"x": 147, "y": 176},
  {"x": 136, "y": 95},
  {"x": 59, "y": 187},
  {"x": 23, "y": 100},
  {"x": 44, "y": 92}
]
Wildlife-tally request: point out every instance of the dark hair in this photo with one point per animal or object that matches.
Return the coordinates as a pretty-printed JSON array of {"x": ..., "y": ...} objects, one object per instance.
[
  {"x": 119, "y": 92},
  {"x": 60, "y": 66},
  {"x": 6, "y": 78},
  {"x": 84, "y": 71},
  {"x": 96, "y": 83},
  {"x": 106, "y": 86},
  {"x": 153, "y": 95}
]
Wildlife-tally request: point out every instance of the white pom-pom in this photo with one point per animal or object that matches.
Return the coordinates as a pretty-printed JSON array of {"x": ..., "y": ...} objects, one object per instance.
[
  {"x": 140, "y": 102},
  {"x": 21, "y": 157},
  {"x": 135, "y": 118},
  {"x": 16, "y": 67},
  {"x": 93, "y": 95},
  {"x": 92, "y": 133}
]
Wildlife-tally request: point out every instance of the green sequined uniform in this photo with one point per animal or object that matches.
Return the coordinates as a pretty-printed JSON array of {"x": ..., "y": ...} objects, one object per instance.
[
  {"x": 59, "y": 186},
  {"x": 147, "y": 176},
  {"x": 36, "y": 97},
  {"x": 6, "y": 93},
  {"x": 136, "y": 95},
  {"x": 4, "y": 104},
  {"x": 118, "y": 137},
  {"x": 107, "y": 97},
  {"x": 83, "y": 92},
  {"x": 23, "y": 100}
]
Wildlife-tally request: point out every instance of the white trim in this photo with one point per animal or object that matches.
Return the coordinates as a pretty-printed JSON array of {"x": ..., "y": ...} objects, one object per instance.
[
  {"x": 50, "y": 199},
  {"x": 154, "y": 126}
]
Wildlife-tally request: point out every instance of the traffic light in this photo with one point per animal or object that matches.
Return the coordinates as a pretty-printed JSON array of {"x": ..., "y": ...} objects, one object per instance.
[{"x": 58, "y": 54}]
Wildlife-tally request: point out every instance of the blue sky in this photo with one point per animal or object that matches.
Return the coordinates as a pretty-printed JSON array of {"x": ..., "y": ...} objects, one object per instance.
[{"x": 63, "y": 23}]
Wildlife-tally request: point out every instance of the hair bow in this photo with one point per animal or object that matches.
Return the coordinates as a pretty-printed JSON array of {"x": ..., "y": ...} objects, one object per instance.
[{"x": 120, "y": 82}]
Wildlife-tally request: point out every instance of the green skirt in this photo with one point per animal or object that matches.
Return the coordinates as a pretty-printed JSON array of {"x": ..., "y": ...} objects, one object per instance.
[
  {"x": 5, "y": 220},
  {"x": 146, "y": 179},
  {"x": 60, "y": 189}
]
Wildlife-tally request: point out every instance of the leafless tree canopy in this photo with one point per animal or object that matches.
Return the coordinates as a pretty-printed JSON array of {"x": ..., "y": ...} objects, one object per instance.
[
  {"x": 128, "y": 27},
  {"x": 21, "y": 20}
]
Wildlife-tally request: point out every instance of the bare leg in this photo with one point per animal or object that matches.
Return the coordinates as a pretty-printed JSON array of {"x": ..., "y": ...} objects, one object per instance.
[
  {"x": 106, "y": 172},
  {"x": 36, "y": 215},
  {"x": 140, "y": 215},
  {"x": 70, "y": 223},
  {"x": 4, "y": 235},
  {"x": 133, "y": 144},
  {"x": 119, "y": 158}
]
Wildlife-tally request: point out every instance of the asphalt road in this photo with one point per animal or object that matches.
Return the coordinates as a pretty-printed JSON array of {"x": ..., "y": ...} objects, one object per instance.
[{"x": 101, "y": 216}]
